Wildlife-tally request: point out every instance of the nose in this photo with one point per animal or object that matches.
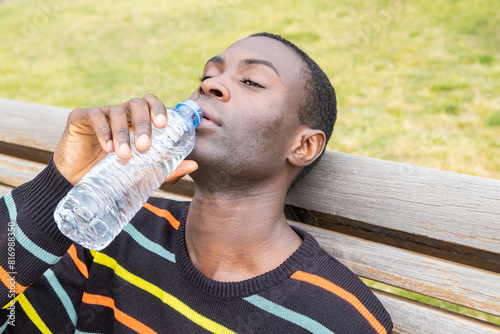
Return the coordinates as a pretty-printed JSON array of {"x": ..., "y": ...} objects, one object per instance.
[{"x": 215, "y": 88}]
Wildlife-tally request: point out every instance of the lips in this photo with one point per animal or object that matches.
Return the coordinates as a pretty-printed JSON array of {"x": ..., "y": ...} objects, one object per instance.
[{"x": 209, "y": 118}]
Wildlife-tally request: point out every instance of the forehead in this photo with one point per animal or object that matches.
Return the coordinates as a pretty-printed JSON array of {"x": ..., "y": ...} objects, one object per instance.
[{"x": 286, "y": 62}]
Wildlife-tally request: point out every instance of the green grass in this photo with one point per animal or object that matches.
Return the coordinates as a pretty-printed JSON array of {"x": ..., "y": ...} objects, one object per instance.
[
  {"x": 417, "y": 82},
  {"x": 433, "y": 301}
]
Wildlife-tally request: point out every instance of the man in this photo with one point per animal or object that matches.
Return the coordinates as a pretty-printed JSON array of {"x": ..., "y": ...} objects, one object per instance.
[{"x": 227, "y": 262}]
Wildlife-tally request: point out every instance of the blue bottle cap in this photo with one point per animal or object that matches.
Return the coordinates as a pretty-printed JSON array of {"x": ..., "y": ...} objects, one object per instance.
[{"x": 193, "y": 109}]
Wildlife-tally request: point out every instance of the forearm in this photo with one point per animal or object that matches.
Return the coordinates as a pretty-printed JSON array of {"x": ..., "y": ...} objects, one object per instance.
[{"x": 30, "y": 241}]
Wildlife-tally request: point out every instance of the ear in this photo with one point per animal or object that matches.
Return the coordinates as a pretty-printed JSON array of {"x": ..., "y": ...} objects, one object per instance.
[{"x": 307, "y": 146}]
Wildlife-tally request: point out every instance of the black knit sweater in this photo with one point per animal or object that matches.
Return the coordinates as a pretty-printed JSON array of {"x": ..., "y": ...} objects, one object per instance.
[{"x": 145, "y": 282}]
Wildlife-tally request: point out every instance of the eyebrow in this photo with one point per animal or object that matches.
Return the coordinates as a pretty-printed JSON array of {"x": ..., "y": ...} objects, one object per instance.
[
  {"x": 246, "y": 62},
  {"x": 249, "y": 62},
  {"x": 217, "y": 59}
]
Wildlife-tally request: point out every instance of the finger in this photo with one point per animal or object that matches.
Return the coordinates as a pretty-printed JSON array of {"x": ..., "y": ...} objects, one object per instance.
[
  {"x": 118, "y": 120},
  {"x": 185, "y": 167},
  {"x": 141, "y": 123},
  {"x": 97, "y": 119},
  {"x": 157, "y": 109}
]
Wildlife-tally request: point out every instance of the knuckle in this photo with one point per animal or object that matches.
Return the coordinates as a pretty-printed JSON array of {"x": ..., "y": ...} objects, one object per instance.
[
  {"x": 94, "y": 112},
  {"x": 116, "y": 110},
  {"x": 137, "y": 101},
  {"x": 75, "y": 113},
  {"x": 143, "y": 123},
  {"x": 103, "y": 129},
  {"x": 148, "y": 96},
  {"x": 121, "y": 133}
]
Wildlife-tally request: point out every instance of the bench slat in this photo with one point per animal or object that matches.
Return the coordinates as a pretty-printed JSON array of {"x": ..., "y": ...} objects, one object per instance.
[
  {"x": 410, "y": 317},
  {"x": 416, "y": 200},
  {"x": 4, "y": 190},
  {"x": 41, "y": 130},
  {"x": 463, "y": 285},
  {"x": 15, "y": 171},
  {"x": 419, "y": 204},
  {"x": 372, "y": 260}
]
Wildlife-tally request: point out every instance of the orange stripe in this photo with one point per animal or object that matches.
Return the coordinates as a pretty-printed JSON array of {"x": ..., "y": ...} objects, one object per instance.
[
  {"x": 7, "y": 281},
  {"x": 79, "y": 264},
  {"x": 347, "y": 296},
  {"x": 163, "y": 213},
  {"x": 125, "y": 319}
]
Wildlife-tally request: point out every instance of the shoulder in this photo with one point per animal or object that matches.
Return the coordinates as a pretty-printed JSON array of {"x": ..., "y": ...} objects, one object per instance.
[
  {"x": 156, "y": 208},
  {"x": 161, "y": 214},
  {"x": 153, "y": 229},
  {"x": 176, "y": 208},
  {"x": 331, "y": 291}
]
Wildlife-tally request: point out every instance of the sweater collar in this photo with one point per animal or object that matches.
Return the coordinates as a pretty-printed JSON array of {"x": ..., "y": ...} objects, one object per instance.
[{"x": 248, "y": 287}]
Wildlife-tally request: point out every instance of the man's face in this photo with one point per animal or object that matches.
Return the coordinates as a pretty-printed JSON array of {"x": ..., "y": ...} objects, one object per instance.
[{"x": 246, "y": 93}]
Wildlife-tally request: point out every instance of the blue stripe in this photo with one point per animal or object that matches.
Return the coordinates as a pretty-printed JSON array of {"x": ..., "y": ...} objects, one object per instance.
[
  {"x": 22, "y": 239},
  {"x": 148, "y": 244},
  {"x": 61, "y": 293},
  {"x": 4, "y": 326},
  {"x": 288, "y": 315},
  {"x": 80, "y": 332},
  {"x": 11, "y": 206},
  {"x": 34, "y": 249}
]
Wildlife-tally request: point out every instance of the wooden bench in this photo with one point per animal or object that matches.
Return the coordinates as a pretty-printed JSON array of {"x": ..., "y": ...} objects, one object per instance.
[{"x": 427, "y": 231}]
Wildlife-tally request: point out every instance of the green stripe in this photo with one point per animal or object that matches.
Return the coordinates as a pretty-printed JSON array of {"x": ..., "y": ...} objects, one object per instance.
[
  {"x": 61, "y": 293},
  {"x": 148, "y": 244},
  {"x": 288, "y": 315}
]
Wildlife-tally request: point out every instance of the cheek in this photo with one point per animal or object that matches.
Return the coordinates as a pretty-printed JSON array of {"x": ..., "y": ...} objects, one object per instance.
[{"x": 260, "y": 130}]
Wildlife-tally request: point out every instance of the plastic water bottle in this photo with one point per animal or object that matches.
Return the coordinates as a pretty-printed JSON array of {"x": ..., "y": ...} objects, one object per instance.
[{"x": 112, "y": 192}]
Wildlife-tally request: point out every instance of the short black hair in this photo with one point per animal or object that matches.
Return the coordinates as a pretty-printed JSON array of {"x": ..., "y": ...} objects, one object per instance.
[{"x": 319, "y": 108}]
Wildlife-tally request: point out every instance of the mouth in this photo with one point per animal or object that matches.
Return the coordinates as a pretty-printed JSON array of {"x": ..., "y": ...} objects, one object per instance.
[{"x": 209, "y": 118}]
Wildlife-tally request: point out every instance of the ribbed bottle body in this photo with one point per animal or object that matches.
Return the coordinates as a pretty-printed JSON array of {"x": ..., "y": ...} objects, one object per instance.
[{"x": 112, "y": 192}]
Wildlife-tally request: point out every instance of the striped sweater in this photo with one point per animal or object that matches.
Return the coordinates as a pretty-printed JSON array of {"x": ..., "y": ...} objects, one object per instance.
[{"x": 144, "y": 281}]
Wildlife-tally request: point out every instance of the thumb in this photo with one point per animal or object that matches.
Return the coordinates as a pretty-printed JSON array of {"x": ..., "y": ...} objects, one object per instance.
[{"x": 185, "y": 167}]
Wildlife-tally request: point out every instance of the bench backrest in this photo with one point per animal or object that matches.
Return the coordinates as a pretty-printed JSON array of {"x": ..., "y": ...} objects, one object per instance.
[{"x": 427, "y": 231}]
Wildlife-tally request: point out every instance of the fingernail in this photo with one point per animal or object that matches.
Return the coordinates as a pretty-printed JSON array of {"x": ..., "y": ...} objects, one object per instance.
[
  {"x": 161, "y": 119},
  {"x": 124, "y": 149},
  {"x": 109, "y": 146},
  {"x": 143, "y": 140}
]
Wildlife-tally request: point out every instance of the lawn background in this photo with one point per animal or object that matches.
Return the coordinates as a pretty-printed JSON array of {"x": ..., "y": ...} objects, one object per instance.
[{"x": 417, "y": 81}]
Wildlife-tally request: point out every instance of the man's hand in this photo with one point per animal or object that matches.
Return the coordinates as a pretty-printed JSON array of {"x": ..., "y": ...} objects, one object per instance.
[{"x": 92, "y": 133}]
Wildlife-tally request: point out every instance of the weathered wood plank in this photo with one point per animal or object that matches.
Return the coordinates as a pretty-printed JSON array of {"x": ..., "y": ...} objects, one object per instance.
[
  {"x": 415, "y": 200},
  {"x": 4, "y": 190},
  {"x": 410, "y": 317},
  {"x": 171, "y": 196},
  {"x": 32, "y": 125},
  {"x": 449, "y": 207},
  {"x": 459, "y": 284},
  {"x": 382, "y": 263},
  {"x": 441, "y": 205},
  {"x": 390, "y": 265},
  {"x": 15, "y": 171}
]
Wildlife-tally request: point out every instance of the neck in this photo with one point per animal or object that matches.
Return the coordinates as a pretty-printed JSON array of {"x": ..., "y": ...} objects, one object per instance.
[{"x": 238, "y": 236}]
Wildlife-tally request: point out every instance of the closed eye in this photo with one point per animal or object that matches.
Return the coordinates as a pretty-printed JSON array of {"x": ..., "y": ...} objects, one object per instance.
[
  {"x": 249, "y": 82},
  {"x": 204, "y": 77}
]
